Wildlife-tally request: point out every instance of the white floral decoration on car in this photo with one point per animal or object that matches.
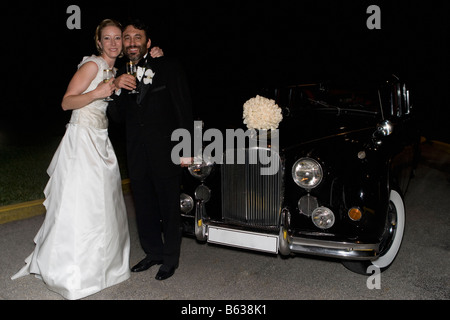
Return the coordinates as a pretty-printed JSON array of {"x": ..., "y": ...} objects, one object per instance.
[
  {"x": 262, "y": 113},
  {"x": 146, "y": 76}
]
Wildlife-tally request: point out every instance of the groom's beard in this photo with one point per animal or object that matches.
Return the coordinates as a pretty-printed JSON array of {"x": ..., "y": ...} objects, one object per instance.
[{"x": 135, "y": 53}]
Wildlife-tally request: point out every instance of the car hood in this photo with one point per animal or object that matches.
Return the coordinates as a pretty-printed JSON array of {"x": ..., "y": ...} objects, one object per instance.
[{"x": 317, "y": 125}]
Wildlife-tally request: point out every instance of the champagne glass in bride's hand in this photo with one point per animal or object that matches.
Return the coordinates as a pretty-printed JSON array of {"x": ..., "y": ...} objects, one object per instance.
[
  {"x": 132, "y": 69},
  {"x": 107, "y": 75}
]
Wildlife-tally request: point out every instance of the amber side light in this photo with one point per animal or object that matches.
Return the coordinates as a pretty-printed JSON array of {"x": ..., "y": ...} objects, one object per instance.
[{"x": 355, "y": 214}]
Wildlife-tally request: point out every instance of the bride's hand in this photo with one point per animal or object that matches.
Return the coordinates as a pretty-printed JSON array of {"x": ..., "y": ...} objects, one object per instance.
[{"x": 105, "y": 89}]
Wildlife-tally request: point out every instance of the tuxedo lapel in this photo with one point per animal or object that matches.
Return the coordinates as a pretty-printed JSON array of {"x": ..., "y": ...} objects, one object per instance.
[{"x": 142, "y": 87}]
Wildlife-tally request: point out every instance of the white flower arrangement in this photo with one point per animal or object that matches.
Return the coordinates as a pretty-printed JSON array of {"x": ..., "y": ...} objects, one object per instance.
[
  {"x": 262, "y": 113},
  {"x": 146, "y": 75}
]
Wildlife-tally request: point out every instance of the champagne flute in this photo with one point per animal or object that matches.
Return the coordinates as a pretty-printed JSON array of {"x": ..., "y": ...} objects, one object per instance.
[
  {"x": 107, "y": 75},
  {"x": 132, "y": 69}
]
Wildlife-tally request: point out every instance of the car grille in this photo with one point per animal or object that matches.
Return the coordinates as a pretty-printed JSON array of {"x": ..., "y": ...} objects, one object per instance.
[{"x": 247, "y": 196}]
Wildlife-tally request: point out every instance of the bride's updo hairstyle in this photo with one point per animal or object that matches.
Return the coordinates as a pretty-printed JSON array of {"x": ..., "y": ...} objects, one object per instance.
[{"x": 99, "y": 30}]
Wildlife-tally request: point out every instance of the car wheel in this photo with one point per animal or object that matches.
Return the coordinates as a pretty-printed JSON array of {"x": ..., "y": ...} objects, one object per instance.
[{"x": 392, "y": 239}]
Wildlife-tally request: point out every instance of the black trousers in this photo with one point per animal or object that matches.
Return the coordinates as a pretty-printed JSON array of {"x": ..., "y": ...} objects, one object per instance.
[{"x": 157, "y": 205}]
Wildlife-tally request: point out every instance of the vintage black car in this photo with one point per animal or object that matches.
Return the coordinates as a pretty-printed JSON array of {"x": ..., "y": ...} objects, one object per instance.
[{"x": 345, "y": 159}]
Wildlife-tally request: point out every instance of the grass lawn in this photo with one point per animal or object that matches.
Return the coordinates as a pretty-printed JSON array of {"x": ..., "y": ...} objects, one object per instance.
[{"x": 23, "y": 168}]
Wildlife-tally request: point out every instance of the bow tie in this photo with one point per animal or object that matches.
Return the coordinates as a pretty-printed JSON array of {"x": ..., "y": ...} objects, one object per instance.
[
  {"x": 142, "y": 63},
  {"x": 145, "y": 62}
]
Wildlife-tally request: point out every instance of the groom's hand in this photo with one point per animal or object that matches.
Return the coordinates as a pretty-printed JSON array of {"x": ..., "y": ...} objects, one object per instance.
[{"x": 125, "y": 81}]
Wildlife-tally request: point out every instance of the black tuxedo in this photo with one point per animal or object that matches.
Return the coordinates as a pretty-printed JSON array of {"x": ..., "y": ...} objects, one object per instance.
[{"x": 150, "y": 117}]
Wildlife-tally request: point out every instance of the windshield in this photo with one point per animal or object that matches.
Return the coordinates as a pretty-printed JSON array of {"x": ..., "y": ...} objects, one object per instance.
[{"x": 319, "y": 96}]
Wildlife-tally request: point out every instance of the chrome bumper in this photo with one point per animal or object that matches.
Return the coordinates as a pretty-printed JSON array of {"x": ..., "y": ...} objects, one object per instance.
[
  {"x": 341, "y": 250},
  {"x": 284, "y": 244}
]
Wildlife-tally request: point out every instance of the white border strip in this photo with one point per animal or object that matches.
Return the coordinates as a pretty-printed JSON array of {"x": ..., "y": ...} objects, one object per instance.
[{"x": 243, "y": 239}]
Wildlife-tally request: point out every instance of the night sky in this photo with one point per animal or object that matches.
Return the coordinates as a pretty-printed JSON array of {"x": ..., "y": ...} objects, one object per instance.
[{"x": 230, "y": 49}]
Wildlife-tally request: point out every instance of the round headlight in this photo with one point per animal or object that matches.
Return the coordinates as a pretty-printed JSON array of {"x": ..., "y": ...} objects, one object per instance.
[
  {"x": 200, "y": 171},
  {"x": 307, "y": 173},
  {"x": 323, "y": 217},
  {"x": 186, "y": 203}
]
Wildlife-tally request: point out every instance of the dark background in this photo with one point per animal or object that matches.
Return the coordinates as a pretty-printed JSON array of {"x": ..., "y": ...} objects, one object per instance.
[{"x": 230, "y": 49}]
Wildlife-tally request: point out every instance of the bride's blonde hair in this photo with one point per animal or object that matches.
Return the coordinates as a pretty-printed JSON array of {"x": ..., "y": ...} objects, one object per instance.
[{"x": 98, "y": 32}]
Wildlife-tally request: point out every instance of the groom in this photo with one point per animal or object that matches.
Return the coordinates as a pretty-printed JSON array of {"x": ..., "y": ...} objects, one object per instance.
[{"x": 161, "y": 105}]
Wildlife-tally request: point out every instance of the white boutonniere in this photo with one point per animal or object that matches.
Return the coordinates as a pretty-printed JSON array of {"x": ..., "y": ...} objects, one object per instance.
[
  {"x": 145, "y": 75},
  {"x": 148, "y": 76}
]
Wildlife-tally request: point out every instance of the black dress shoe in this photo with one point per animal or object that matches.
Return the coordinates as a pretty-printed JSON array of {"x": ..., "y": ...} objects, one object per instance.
[
  {"x": 145, "y": 264},
  {"x": 165, "y": 272}
]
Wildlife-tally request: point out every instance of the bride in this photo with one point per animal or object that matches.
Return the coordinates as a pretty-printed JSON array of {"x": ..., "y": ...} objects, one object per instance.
[{"x": 83, "y": 245}]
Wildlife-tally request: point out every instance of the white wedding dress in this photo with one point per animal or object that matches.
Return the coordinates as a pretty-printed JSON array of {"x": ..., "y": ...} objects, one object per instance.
[{"x": 83, "y": 245}]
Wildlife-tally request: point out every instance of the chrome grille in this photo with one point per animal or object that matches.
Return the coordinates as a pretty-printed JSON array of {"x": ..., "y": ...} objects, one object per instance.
[{"x": 249, "y": 197}]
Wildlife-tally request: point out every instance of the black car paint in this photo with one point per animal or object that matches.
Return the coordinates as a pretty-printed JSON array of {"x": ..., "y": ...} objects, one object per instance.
[{"x": 360, "y": 165}]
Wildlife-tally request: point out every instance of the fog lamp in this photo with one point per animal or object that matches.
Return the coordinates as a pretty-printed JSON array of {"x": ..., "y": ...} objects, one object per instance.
[
  {"x": 322, "y": 217},
  {"x": 202, "y": 193},
  {"x": 355, "y": 214},
  {"x": 307, "y": 204},
  {"x": 201, "y": 170},
  {"x": 186, "y": 203}
]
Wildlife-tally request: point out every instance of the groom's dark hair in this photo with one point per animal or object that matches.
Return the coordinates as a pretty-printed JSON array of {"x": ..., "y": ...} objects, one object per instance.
[{"x": 138, "y": 24}]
